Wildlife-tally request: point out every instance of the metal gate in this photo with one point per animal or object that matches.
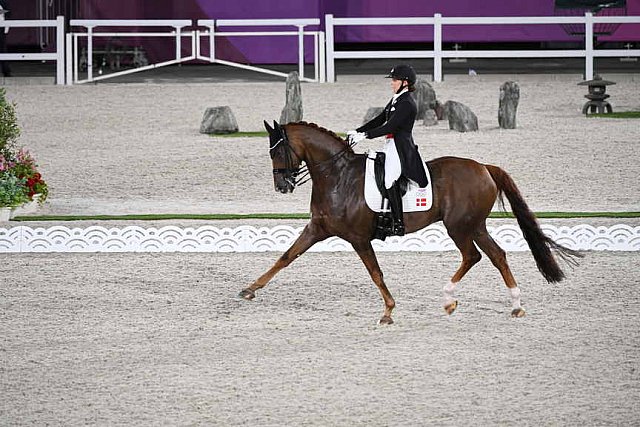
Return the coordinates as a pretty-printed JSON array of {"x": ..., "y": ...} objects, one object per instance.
[{"x": 80, "y": 44}]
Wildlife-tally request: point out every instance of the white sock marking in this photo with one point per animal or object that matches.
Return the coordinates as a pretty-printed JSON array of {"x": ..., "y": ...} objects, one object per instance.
[
  {"x": 515, "y": 297},
  {"x": 447, "y": 292}
]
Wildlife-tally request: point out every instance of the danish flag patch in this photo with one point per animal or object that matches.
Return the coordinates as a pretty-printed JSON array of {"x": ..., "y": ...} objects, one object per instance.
[{"x": 421, "y": 201}]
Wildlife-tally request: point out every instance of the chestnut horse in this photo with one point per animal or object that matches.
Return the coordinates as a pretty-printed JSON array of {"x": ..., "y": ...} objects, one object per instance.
[{"x": 464, "y": 193}]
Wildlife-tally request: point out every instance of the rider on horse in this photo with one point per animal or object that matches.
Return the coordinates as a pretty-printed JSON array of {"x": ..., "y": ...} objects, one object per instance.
[{"x": 402, "y": 158}]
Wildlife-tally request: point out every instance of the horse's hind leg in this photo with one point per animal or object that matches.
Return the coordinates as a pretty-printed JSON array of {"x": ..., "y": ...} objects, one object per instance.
[
  {"x": 498, "y": 257},
  {"x": 308, "y": 238},
  {"x": 470, "y": 257}
]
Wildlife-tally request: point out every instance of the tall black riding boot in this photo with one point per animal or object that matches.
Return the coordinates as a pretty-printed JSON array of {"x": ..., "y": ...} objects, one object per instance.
[{"x": 395, "y": 199}]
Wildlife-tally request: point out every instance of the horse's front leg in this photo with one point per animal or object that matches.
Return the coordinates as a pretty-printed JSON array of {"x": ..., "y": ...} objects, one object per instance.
[
  {"x": 368, "y": 257},
  {"x": 310, "y": 235}
]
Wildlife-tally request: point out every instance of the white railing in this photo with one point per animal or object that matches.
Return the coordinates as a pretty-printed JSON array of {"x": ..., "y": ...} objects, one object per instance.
[
  {"x": 57, "y": 56},
  {"x": 438, "y": 21},
  {"x": 300, "y": 24},
  {"x": 175, "y": 32}
]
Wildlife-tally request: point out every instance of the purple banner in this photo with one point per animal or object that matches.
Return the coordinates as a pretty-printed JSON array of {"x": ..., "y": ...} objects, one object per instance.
[{"x": 283, "y": 49}]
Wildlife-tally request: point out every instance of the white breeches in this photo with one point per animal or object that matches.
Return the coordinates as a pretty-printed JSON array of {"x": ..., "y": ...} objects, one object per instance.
[{"x": 392, "y": 166}]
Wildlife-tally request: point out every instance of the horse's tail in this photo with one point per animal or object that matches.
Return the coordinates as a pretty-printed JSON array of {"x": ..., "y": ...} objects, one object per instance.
[{"x": 538, "y": 242}]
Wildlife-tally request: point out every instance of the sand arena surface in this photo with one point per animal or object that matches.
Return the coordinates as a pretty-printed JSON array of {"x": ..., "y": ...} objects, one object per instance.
[{"x": 148, "y": 339}]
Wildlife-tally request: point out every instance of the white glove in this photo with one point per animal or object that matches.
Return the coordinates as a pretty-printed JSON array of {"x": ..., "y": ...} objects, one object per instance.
[{"x": 354, "y": 137}]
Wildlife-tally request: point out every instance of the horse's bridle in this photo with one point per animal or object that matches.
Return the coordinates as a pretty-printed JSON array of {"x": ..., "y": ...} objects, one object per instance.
[
  {"x": 291, "y": 174},
  {"x": 300, "y": 175}
]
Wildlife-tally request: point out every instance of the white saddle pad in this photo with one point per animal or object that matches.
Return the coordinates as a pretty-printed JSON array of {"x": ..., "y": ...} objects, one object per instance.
[{"x": 415, "y": 200}]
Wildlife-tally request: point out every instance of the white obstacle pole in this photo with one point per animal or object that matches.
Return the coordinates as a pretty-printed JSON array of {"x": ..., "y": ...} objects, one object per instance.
[
  {"x": 328, "y": 28},
  {"x": 301, "y": 51},
  {"x": 69, "y": 59},
  {"x": 60, "y": 45},
  {"x": 588, "y": 46},
  {"x": 437, "y": 47}
]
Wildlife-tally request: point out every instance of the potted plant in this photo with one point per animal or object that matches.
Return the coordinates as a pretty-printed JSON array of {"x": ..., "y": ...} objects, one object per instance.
[{"x": 12, "y": 193}]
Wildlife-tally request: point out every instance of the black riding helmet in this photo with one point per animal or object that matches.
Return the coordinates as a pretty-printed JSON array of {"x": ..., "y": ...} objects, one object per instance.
[{"x": 403, "y": 72}]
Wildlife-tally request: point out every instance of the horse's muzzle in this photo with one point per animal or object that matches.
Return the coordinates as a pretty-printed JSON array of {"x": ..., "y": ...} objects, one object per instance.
[
  {"x": 285, "y": 189},
  {"x": 283, "y": 185}
]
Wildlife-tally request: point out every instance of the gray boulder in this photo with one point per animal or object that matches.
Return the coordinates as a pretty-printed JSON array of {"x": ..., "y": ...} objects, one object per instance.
[
  {"x": 430, "y": 118},
  {"x": 439, "y": 109},
  {"x": 292, "y": 111},
  {"x": 461, "y": 118},
  {"x": 218, "y": 120},
  {"x": 509, "y": 97},
  {"x": 371, "y": 113},
  {"x": 425, "y": 98}
]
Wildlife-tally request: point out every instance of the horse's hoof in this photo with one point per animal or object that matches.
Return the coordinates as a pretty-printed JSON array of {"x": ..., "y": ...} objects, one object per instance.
[
  {"x": 385, "y": 320},
  {"x": 518, "y": 312},
  {"x": 247, "y": 294},
  {"x": 450, "y": 308}
]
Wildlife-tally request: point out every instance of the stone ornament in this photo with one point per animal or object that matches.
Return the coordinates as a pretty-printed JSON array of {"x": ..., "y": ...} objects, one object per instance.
[
  {"x": 218, "y": 120},
  {"x": 292, "y": 111},
  {"x": 430, "y": 118},
  {"x": 461, "y": 118},
  {"x": 425, "y": 98},
  {"x": 509, "y": 98},
  {"x": 597, "y": 97}
]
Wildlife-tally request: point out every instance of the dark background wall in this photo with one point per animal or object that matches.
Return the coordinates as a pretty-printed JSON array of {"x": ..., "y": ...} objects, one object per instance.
[{"x": 256, "y": 50}]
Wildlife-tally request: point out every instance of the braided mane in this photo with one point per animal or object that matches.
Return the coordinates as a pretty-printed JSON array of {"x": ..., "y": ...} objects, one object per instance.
[{"x": 325, "y": 131}]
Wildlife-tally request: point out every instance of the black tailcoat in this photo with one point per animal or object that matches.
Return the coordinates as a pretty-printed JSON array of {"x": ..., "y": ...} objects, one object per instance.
[{"x": 398, "y": 119}]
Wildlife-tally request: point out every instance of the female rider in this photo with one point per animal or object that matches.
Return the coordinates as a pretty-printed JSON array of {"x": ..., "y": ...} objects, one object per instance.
[{"x": 402, "y": 157}]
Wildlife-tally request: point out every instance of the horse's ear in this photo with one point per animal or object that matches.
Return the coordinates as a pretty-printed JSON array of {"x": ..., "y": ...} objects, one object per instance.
[
  {"x": 267, "y": 127},
  {"x": 277, "y": 126}
]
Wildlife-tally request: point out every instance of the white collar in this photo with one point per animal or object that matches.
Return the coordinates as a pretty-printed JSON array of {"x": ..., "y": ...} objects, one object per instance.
[{"x": 397, "y": 95}]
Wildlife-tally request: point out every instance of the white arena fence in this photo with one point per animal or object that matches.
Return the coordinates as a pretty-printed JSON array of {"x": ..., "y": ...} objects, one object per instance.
[
  {"x": 90, "y": 26},
  {"x": 438, "y": 22},
  {"x": 57, "y": 56},
  {"x": 300, "y": 33},
  {"x": 262, "y": 239},
  {"x": 176, "y": 29},
  {"x": 325, "y": 53}
]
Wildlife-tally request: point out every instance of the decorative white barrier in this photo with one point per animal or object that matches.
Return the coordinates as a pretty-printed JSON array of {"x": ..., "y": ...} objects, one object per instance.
[{"x": 261, "y": 239}]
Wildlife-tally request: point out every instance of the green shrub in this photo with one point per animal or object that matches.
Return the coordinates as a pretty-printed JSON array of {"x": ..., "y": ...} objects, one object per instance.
[
  {"x": 9, "y": 130},
  {"x": 12, "y": 190}
]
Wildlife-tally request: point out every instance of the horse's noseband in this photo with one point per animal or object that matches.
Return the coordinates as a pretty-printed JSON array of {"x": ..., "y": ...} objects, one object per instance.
[{"x": 289, "y": 171}]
